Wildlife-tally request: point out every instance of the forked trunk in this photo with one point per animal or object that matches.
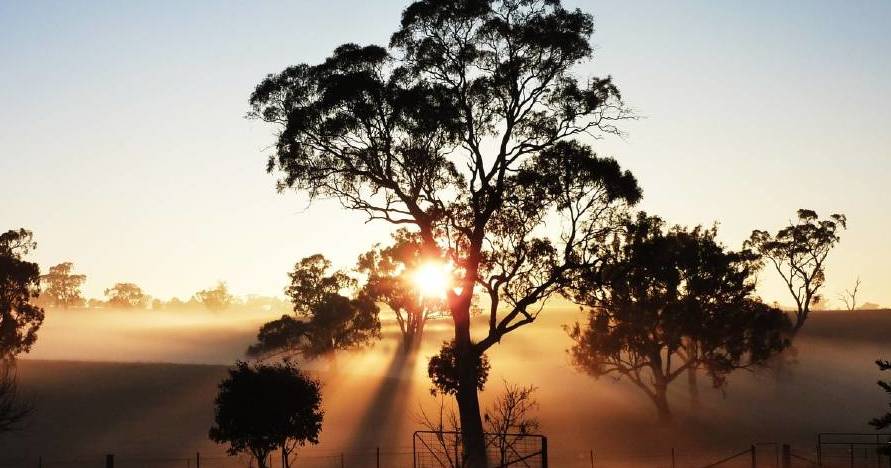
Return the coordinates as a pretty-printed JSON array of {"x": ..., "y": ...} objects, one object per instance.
[{"x": 660, "y": 398}]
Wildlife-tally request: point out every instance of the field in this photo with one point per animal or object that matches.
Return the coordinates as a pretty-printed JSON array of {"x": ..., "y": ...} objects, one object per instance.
[{"x": 149, "y": 399}]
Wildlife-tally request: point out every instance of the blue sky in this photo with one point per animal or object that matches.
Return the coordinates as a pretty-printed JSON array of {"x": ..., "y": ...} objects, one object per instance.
[{"x": 123, "y": 142}]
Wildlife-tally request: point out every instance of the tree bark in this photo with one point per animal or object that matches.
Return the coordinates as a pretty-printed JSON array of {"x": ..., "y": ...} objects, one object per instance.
[
  {"x": 472, "y": 434},
  {"x": 660, "y": 398}
]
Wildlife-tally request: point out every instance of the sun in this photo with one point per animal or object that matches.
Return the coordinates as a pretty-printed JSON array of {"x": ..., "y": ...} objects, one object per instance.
[{"x": 433, "y": 279}]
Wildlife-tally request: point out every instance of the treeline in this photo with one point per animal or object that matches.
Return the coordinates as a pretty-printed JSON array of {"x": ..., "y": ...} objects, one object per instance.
[{"x": 61, "y": 287}]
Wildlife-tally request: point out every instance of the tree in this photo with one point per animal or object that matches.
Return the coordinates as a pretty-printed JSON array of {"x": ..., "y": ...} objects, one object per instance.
[
  {"x": 884, "y": 421},
  {"x": 324, "y": 321},
  {"x": 510, "y": 419},
  {"x": 798, "y": 253},
  {"x": 19, "y": 319},
  {"x": 465, "y": 130},
  {"x": 390, "y": 281},
  {"x": 266, "y": 407},
  {"x": 669, "y": 301},
  {"x": 127, "y": 296},
  {"x": 62, "y": 288},
  {"x": 19, "y": 287},
  {"x": 849, "y": 297},
  {"x": 216, "y": 298}
]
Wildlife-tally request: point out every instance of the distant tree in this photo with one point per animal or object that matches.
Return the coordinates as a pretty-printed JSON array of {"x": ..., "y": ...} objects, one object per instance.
[
  {"x": 465, "y": 130},
  {"x": 126, "y": 295},
  {"x": 216, "y": 298},
  {"x": 798, "y": 253},
  {"x": 263, "y": 407},
  {"x": 390, "y": 281},
  {"x": 324, "y": 320},
  {"x": 849, "y": 297},
  {"x": 157, "y": 304},
  {"x": 884, "y": 421},
  {"x": 671, "y": 300},
  {"x": 19, "y": 287},
  {"x": 870, "y": 306},
  {"x": 61, "y": 287}
]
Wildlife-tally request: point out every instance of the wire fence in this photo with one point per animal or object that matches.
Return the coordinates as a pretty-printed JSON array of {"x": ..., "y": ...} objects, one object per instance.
[{"x": 526, "y": 453}]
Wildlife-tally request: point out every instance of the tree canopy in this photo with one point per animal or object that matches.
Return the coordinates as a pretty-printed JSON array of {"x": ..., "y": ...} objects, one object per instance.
[
  {"x": 266, "y": 407},
  {"x": 465, "y": 129},
  {"x": 389, "y": 270},
  {"x": 127, "y": 296},
  {"x": 19, "y": 287},
  {"x": 324, "y": 319},
  {"x": 671, "y": 300},
  {"x": 798, "y": 253},
  {"x": 216, "y": 298},
  {"x": 62, "y": 288}
]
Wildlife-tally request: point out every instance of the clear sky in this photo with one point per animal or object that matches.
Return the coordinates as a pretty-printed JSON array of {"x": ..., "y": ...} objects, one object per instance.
[{"x": 123, "y": 143}]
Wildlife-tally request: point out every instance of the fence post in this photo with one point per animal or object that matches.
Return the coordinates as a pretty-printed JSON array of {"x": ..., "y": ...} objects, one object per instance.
[
  {"x": 787, "y": 456},
  {"x": 544, "y": 452},
  {"x": 754, "y": 460},
  {"x": 851, "y": 449},
  {"x": 341, "y": 459},
  {"x": 197, "y": 459},
  {"x": 673, "y": 463},
  {"x": 592, "y": 458},
  {"x": 109, "y": 461},
  {"x": 378, "y": 457},
  {"x": 39, "y": 462}
]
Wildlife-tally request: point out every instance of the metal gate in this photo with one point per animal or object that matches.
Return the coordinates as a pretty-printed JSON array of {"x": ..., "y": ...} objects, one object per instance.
[
  {"x": 434, "y": 449},
  {"x": 850, "y": 449}
]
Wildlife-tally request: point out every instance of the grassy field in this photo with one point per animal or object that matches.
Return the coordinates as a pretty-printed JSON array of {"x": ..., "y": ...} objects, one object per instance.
[{"x": 372, "y": 398}]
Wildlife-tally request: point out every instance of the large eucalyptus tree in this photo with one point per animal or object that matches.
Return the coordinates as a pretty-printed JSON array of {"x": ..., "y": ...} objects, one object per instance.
[{"x": 466, "y": 129}]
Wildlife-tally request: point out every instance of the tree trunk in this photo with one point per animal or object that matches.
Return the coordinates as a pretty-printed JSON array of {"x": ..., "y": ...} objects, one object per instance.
[
  {"x": 693, "y": 386},
  {"x": 661, "y": 400},
  {"x": 472, "y": 434}
]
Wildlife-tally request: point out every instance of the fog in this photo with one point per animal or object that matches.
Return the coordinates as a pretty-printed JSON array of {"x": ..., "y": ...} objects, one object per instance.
[{"x": 372, "y": 397}]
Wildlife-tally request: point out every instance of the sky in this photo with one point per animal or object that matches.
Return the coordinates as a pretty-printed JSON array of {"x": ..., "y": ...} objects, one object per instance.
[{"x": 124, "y": 144}]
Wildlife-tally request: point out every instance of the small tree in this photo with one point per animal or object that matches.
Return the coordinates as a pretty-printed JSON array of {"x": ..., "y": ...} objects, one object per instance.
[
  {"x": 264, "y": 407},
  {"x": 510, "y": 419},
  {"x": 798, "y": 253},
  {"x": 324, "y": 320},
  {"x": 389, "y": 271},
  {"x": 216, "y": 298},
  {"x": 126, "y": 296},
  {"x": 61, "y": 287},
  {"x": 672, "y": 300},
  {"x": 849, "y": 297}
]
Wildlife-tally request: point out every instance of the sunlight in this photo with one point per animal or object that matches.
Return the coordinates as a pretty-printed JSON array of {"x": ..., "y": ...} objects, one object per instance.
[{"x": 433, "y": 279}]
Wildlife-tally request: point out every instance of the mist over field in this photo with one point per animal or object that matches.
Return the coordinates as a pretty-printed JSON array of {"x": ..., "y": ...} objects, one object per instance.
[{"x": 101, "y": 386}]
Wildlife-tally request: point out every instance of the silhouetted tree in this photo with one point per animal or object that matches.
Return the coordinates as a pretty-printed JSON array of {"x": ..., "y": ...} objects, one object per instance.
[
  {"x": 19, "y": 319},
  {"x": 390, "y": 281},
  {"x": 324, "y": 321},
  {"x": 127, "y": 296},
  {"x": 510, "y": 419},
  {"x": 264, "y": 407},
  {"x": 671, "y": 300},
  {"x": 216, "y": 298},
  {"x": 849, "y": 297},
  {"x": 798, "y": 253},
  {"x": 19, "y": 287},
  {"x": 464, "y": 130},
  {"x": 61, "y": 287}
]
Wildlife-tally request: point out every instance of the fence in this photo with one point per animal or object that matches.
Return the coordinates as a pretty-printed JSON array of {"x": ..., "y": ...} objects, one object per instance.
[{"x": 436, "y": 449}]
